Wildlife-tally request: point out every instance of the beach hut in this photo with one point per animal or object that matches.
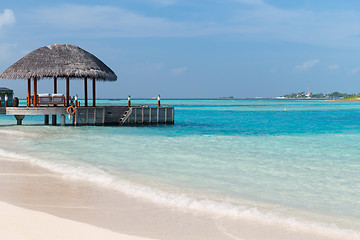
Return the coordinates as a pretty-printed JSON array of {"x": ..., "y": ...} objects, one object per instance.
[
  {"x": 6, "y": 93},
  {"x": 59, "y": 61},
  {"x": 65, "y": 61}
]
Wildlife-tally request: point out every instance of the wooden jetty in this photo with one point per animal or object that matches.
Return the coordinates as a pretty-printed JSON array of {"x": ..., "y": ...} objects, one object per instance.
[
  {"x": 98, "y": 116},
  {"x": 70, "y": 62}
]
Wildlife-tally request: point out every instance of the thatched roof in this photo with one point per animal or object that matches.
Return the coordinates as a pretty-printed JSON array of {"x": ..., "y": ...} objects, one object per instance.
[
  {"x": 5, "y": 90},
  {"x": 59, "y": 60}
]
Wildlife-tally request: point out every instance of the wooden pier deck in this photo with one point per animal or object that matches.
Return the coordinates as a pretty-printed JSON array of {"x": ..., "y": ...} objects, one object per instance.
[
  {"x": 99, "y": 115},
  {"x": 36, "y": 111}
]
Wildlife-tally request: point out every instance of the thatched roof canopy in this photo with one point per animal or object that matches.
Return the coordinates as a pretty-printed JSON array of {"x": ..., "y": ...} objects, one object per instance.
[
  {"x": 4, "y": 90},
  {"x": 59, "y": 60}
]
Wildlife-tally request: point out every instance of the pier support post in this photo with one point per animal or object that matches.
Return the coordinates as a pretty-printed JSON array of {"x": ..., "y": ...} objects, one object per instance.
[
  {"x": 46, "y": 119},
  {"x": 19, "y": 119},
  {"x": 62, "y": 120},
  {"x": 53, "y": 118}
]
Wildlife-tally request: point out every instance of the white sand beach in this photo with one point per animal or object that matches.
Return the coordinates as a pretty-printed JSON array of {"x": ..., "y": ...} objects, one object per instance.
[
  {"x": 22, "y": 224},
  {"x": 39, "y": 204}
]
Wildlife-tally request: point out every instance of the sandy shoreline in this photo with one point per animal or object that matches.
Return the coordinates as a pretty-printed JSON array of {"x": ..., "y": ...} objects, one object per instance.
[
  {"x": 81, "y": 205},
  {"x": 19, "y": 223}
]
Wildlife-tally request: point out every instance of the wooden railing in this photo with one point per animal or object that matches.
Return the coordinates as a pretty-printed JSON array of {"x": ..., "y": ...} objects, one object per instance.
[{"x": 46, "y": 100}]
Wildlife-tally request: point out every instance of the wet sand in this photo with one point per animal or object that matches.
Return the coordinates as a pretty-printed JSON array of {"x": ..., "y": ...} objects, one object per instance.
[{"x": 113, "y": 212}]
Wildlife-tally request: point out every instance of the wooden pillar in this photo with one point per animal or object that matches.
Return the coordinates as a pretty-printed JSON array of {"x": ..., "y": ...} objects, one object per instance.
[
  {"x": 46, "y": 119},
  {"x": 55, "y": 84},
  {"x": 29, "y": 93},
  {"x": 53, "y": 117},
  {"x": 86, "y": 92},
  {"x": 35, "y": 92},
  {"x": 67, "y": 91},
  {"x": 19, "y": 119},
  {"x": 94, "y": 116},
  {"x": 94, "y": 93},
  {"x": 62, "y": 120}
]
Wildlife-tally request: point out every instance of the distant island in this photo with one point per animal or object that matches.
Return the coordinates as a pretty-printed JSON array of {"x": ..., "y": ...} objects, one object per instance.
[
  {"x": 230, "y": 97},
  {"x": 334, "y": 95}
]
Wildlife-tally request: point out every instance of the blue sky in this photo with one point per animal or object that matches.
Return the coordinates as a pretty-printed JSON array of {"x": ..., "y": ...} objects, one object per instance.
[{"x": 193, "y": 48}]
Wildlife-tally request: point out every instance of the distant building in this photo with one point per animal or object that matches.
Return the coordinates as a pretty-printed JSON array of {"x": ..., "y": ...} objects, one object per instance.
[{"x": 10, "y": 94}]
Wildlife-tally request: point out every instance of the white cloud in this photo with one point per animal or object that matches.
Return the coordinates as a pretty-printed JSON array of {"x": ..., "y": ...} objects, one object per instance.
[
  {"x": 306, "y": 65},
  {"x": 253, "y": 20},
  {"x": 7, "y": 18},
  {"x": 108, "y": 22},
  {"x": 321, "y": 27},
  {"x": 178, "y": 71},
  {"x": 334, "y": 67},
  {"x": 355, "y": 70}
]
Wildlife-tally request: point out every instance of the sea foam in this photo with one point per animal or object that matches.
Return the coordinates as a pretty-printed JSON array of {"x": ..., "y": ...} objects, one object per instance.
[
  {"x": 16, "y": 133},
  {"x": 84, "y": 172}
]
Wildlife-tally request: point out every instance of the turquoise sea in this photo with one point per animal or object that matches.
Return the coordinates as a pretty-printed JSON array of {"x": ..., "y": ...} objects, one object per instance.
[{"x": 289, "y": 162}]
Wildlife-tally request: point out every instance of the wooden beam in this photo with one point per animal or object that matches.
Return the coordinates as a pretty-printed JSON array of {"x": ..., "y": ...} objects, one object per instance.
[
  {"x": 86, "y": 91},
  {"x": 29, "y": 93},
  {"x": 35, "y": 111},
  {"x": 67, "y": 91},
  {"x": 94, "y": 93},
  {"x": 35, "y": 92}
]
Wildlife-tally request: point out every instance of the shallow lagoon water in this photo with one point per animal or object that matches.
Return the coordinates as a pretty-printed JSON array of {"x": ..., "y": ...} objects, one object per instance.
[{"x": 247, "y": 158}]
